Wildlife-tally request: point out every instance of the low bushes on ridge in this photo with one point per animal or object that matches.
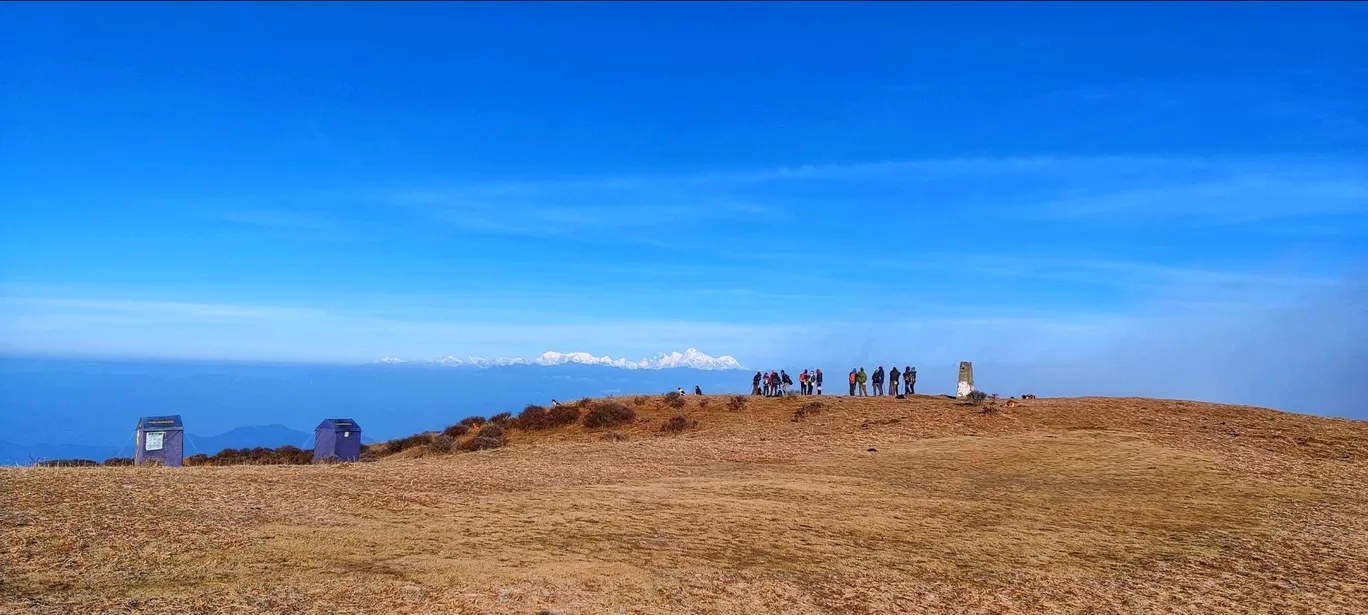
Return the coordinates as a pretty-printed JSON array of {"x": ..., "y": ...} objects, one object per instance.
[{"x": 608, "y": 414}]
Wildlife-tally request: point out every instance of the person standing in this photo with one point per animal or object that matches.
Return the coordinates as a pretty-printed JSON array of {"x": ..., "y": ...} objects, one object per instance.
[
  {"x": 878, "y": 380},
  {"x": 784, "y": 383},
  {"x": 860, "y": 379},
  {"x": 910, "y": 376},
  {"x": 774, "y": 383},
  {"x": 893, "y": 381},
  {"x": 802, "y": 383},
  {"x": 819, "y": 381},
  {"x": 755, "y": 384},
  {"x": 852, "y": 382}
]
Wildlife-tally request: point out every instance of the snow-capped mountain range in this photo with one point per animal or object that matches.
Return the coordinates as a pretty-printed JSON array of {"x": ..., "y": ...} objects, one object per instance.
[{"x": 690, "y": 358}]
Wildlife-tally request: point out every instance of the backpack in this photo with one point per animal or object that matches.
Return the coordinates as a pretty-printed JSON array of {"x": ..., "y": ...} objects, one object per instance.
[{"x": 852, "y": 377}]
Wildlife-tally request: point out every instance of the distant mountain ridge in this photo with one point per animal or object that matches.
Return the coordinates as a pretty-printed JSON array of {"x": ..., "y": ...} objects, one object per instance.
[
  {"x": 691, "y": 358},
  {"x": 269, "y": 436},
  {"x": 61, "y": 408}
]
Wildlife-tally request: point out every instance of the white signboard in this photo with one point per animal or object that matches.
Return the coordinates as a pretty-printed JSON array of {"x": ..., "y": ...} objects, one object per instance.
[{"x": 154, "y": 440}]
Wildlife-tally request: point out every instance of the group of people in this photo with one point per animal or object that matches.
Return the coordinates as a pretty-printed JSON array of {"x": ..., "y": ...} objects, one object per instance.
[
  {"x": 858, "y": 378},
  {"x": 777, "y": 383}
]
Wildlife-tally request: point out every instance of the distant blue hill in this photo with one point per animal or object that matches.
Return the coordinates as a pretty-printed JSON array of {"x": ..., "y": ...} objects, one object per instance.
[
  {"x": 270, "y": 436},
  {"x": 57, "y": 408}
]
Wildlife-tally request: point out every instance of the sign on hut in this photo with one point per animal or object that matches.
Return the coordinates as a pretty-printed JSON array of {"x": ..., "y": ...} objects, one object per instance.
[
  {"x": 160, "y": 438},
  {"x": 339, "y": 438}
]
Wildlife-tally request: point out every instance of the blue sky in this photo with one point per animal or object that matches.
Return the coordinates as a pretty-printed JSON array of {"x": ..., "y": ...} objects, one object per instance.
[{"x": 1026, "y": 182}]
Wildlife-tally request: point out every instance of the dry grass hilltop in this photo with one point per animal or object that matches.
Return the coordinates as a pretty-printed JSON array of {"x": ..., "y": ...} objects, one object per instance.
[{"x": 859, "y": 505}]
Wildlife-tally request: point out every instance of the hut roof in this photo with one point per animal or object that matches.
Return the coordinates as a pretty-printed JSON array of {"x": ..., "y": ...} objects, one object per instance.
[
  {"x": 160, "y": 423},
  {"x": 338, "y": 425}
]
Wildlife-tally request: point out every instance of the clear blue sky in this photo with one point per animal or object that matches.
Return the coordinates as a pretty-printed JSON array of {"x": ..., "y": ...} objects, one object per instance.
[{"x": 340, "y": 182}]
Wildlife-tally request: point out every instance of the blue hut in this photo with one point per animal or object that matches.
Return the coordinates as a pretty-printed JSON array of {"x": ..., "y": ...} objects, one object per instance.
[
  {"x": 337, "y": 437},
  {"x": 161, "y": 438}
]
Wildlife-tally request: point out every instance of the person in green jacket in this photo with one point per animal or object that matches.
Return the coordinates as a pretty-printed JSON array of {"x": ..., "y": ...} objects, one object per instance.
[{"x": 861, "y": 379}]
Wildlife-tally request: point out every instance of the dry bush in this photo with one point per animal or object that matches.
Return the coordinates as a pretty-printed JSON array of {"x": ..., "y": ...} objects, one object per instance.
[
  {"x": 608, "y": 414},
  {"x": 534, "y": 418},
  {"x": 615, "y": 436},
  {"x": 976, "y": 398},
  {"x": 119, "y": 461},
  {"x": 473, "y": 421},
  {"x": 737, "y": 403},
  {"x": 456, "y": 431},
  {"x": 199, "y": 459},
  {"x": 67, "y": 463},
  {"x": 502, "y": 419},
  {"x": 678, "y": 423},
  {"x": 640, "y": 400},
  {"x": 441, "y": 444},
  {"x": 368, "y": 455},
  {"x": 674, "y": 400},
  {"x": 703, "y": 404},
  {"x": 413, "y": 441},
  {"x": 490, "y": 436},
  {"x": 812, "y": 408}
]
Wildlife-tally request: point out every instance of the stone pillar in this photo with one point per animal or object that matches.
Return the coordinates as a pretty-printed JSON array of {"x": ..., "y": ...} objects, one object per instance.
[{"x": 966, "y": 380}]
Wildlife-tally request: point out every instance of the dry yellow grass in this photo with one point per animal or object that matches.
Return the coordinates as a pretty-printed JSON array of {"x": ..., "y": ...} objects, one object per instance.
[{"x": 1056, "y": 505}]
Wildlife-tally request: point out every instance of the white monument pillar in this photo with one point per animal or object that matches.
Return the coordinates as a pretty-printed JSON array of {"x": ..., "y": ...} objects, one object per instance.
[{"x": 966, "y": 380}]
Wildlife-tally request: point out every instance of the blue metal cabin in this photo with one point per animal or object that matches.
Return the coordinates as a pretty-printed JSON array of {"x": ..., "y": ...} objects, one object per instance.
[
  {"x": 337, "y": 437},
  {"x": 161, "y": 438}
]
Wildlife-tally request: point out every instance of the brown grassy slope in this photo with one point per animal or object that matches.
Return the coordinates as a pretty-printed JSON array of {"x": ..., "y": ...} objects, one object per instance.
[{"x": 1060, "y": 505}]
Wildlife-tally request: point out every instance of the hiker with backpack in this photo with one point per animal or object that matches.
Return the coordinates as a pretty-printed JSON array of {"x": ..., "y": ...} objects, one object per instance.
[
  {"x": 784, "y": 383},
  {"x": 852, "y": 382},
  {"x": 910, "y": 380},
  {"x": 819, "y": 381},
  {"x": 893, "y": 382},
  {"x": 878, "y": 380},
  {"x": 803, "y": 383},
  {"x": 774, "y": 383},
  {"x": 755, "y": 384},
  {"x": 860, "y": 379}
]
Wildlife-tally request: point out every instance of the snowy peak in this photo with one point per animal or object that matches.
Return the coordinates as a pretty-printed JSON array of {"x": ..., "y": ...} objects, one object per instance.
[{"x": 691, "y": 358}]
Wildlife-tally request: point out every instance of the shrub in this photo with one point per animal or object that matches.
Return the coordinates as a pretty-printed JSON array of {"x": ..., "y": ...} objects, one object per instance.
[
  {"x": 678, "y": 423},
  {"x": 737, "y": 403},
  {"x": 811, "y": 408},
  {"x": 456, "y": 431},
  {"x": 976, "y": 397},
  {"x": 122, "y": 461},
  {"x": 640, "y": 400},
  {"x": 563, "y": 415},
  {"x": 473, "y": 421},
  {"x": 502, "y": 419},
  {"x": 490, "y": 436},
  {"x": 703, "y": 403},
  {"x": 442, "y": 444},
  {"x": 415, "y": 440},
  {"x": 608, "y": 414},
  {"x": 536, "y": 417},
  {"x": 674, "y": 400},
  {"x": 615, "y": 436},
  {"x": 67, "y": 463},
  {"x": 368, "y": 456}
]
